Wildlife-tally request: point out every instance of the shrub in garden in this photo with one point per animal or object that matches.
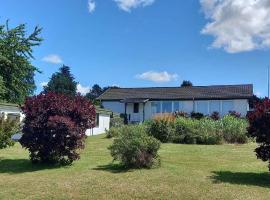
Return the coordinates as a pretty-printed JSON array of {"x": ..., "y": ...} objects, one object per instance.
[
  {"x": 192, "y": 131},
  {"x": 116, "y": 122},
  {"x": 235, "y": 114},
  {"x": 8, "y": 127},
  {"x": 259, "y": 128},
  {"x": 234, "y": 129},
  {"x": 162, "y": 128},
  {"x": 180, "y": 114},
  {"x": 54, "y": 127},
  {"x": 133, "y": 147},
  {"x": 215, "y": 116},
  {"x": 196, "y": 115},
  {"x": 113, "y": 132}
]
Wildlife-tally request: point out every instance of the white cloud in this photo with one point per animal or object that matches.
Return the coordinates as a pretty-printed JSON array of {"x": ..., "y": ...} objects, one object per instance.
[
  {"x": 157, "y": 76},
  {"x": 42, "y": 84},
  {"x": 127, "y": 5},
  {"x": 238, "y": 25},
  {"x": 258, "y": 94},
  {"x": 53, "y": 58},
  {"x": 83, "y": 90},
  {"x": 91, "y": 6}
]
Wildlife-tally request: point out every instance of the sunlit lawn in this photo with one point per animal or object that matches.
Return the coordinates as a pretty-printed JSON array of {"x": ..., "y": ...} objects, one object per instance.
[{"x": 186, "y": 172}]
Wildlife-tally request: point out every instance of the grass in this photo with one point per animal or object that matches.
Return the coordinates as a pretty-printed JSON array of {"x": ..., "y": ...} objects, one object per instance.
[{"x": 186, "y": 172}]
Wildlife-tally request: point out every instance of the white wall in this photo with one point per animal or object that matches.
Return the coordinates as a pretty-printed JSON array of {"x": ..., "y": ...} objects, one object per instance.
[
  {"x": 238, "y": 105},
  {"x": 104, "y": 124},
  {"x": 12, "y": 110}
]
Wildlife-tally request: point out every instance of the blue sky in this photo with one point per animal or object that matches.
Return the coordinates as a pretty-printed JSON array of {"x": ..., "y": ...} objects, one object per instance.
[{"x": 141, "y": 43}]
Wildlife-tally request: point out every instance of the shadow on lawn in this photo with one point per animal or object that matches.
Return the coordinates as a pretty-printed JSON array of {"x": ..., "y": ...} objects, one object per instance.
[
  {"x": 242, "y": 178},
  {"x": 14, "y": 166},
  {"x": 113, "y": 168}
]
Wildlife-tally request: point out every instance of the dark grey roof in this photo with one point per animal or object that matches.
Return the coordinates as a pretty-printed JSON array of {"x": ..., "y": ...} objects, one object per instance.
[{"x": 184, "y": 93}]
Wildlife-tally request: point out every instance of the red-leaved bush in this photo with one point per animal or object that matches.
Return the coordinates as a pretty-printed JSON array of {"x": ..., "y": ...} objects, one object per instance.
[
  {"x": 259, "y": 128},
  {"x": 54, "y": 127}
]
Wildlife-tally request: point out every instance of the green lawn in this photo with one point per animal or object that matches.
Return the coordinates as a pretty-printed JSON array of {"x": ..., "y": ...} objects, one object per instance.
[{"x": 186, "y": 172}]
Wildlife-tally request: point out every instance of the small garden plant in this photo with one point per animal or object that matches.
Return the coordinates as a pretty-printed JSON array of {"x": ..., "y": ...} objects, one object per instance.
[
  {"x": 54, "y": 127},
  {"x": 8, "y": 127},
  {"x": 134, "y": 148}
]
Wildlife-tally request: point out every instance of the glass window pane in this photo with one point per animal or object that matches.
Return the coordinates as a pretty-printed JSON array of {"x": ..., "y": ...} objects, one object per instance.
[
  {"x": 226, "y": 107},
  {"x": 176, "y": 106},
  {"x": 202, "y": 107},
  {"x": 167, "y": 107},
  {"x": 156, "y": 107},
  {"x": 214, "y": 106}
]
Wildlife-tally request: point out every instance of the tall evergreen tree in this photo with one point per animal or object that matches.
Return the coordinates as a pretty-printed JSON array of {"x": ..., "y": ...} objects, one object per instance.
[
  {"x": 16, "y": 70},
  {"x": 62, "y": 82}
]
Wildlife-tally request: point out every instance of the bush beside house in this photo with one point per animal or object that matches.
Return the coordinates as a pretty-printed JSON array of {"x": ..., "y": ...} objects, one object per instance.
[{"x": 7, "y": 128}]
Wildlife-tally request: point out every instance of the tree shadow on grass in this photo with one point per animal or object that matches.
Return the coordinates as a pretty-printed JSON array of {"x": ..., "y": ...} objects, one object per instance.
[
  {"x": 242, "y": 178},
  {"x": 113, "y": 168},
  {"x": 16, "y": 166}
]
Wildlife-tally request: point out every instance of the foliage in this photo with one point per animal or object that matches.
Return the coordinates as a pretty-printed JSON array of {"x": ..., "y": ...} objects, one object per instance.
[
  {"x": 186, "y": 83},
  {"x": 235, "y": 114},
  {"x": 234, "y": 129},
  {"x": 62, "y": 82},
  {"x": 134, "y": 148},
  {"x": 193, "y": 131},
  {"x": 54, "y": 127},
  {"x": 215, "y": 116},
  {"x": 196, "y": 115},
  {"x": 8, "y": 127},
  {"x": 2, "y": 88},
  {"x": 161, "y": 129},
  {"x": 112, "y": 132},
  {"x": 180, "y": 114},
  {"x": 16, "y": 70},
  {"x": 259, "y": 128},
  {"x": 116, "y": 122}
]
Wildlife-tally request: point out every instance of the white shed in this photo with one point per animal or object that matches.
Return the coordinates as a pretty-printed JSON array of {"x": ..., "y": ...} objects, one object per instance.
[
  {"x": 103, "y": 117},
  {"x": 11, "y": 111}
]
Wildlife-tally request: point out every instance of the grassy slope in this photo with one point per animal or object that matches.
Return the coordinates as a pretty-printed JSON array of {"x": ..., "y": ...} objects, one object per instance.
[{"x": 187, "y": 172}]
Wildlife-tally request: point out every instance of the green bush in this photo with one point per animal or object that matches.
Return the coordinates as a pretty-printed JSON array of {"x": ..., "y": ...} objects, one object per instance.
[
  {"x": 113, "y": 132},
  {"x": 8, "y": 128},
  {"x": 204, "y": 131},
  {"x": 162, "y": 129},
  {"x": 234, "y": 129},
  {"x": 116, "y": 122},
  {"x": 192, "y": 131},
  {"x": 133, "y": 147}
]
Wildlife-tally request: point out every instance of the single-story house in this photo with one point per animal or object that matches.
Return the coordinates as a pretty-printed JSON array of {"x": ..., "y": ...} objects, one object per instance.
[
  {"x": 140, "y": 104},
  {"x": 103, "y": 117}
]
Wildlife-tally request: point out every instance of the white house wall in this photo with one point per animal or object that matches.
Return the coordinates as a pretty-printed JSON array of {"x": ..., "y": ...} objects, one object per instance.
[
  {"x": 104, "y": 124},
  {"x": 12, "y": 110},
  {"x": 238, "y": 105}
]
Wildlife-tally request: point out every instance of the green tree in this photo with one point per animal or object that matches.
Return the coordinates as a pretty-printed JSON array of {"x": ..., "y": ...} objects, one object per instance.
[
  {"x": 2, "y": 88},
  {"x": 62, "y": 82},
  {"x": 16, "y": 53},
  {"x": 186, "y": 83}
]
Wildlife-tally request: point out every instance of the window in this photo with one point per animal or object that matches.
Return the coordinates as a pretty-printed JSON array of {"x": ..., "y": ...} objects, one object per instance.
[
  {"x": 166, "y": 106},
  {"x": 136, "y": 108},
  {"x": 176, "y": 106},
  {"x": 97, "y": 120},
  {"x": 214, "y": 106},
  {"x": 227, "y": 106},
  {"x": 156, "y": 107},
  {"x": 202, "y": 107}
]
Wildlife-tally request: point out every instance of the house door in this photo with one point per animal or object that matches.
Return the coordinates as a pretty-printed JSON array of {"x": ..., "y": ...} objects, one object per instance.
[{"x": 135, "y": 117}]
